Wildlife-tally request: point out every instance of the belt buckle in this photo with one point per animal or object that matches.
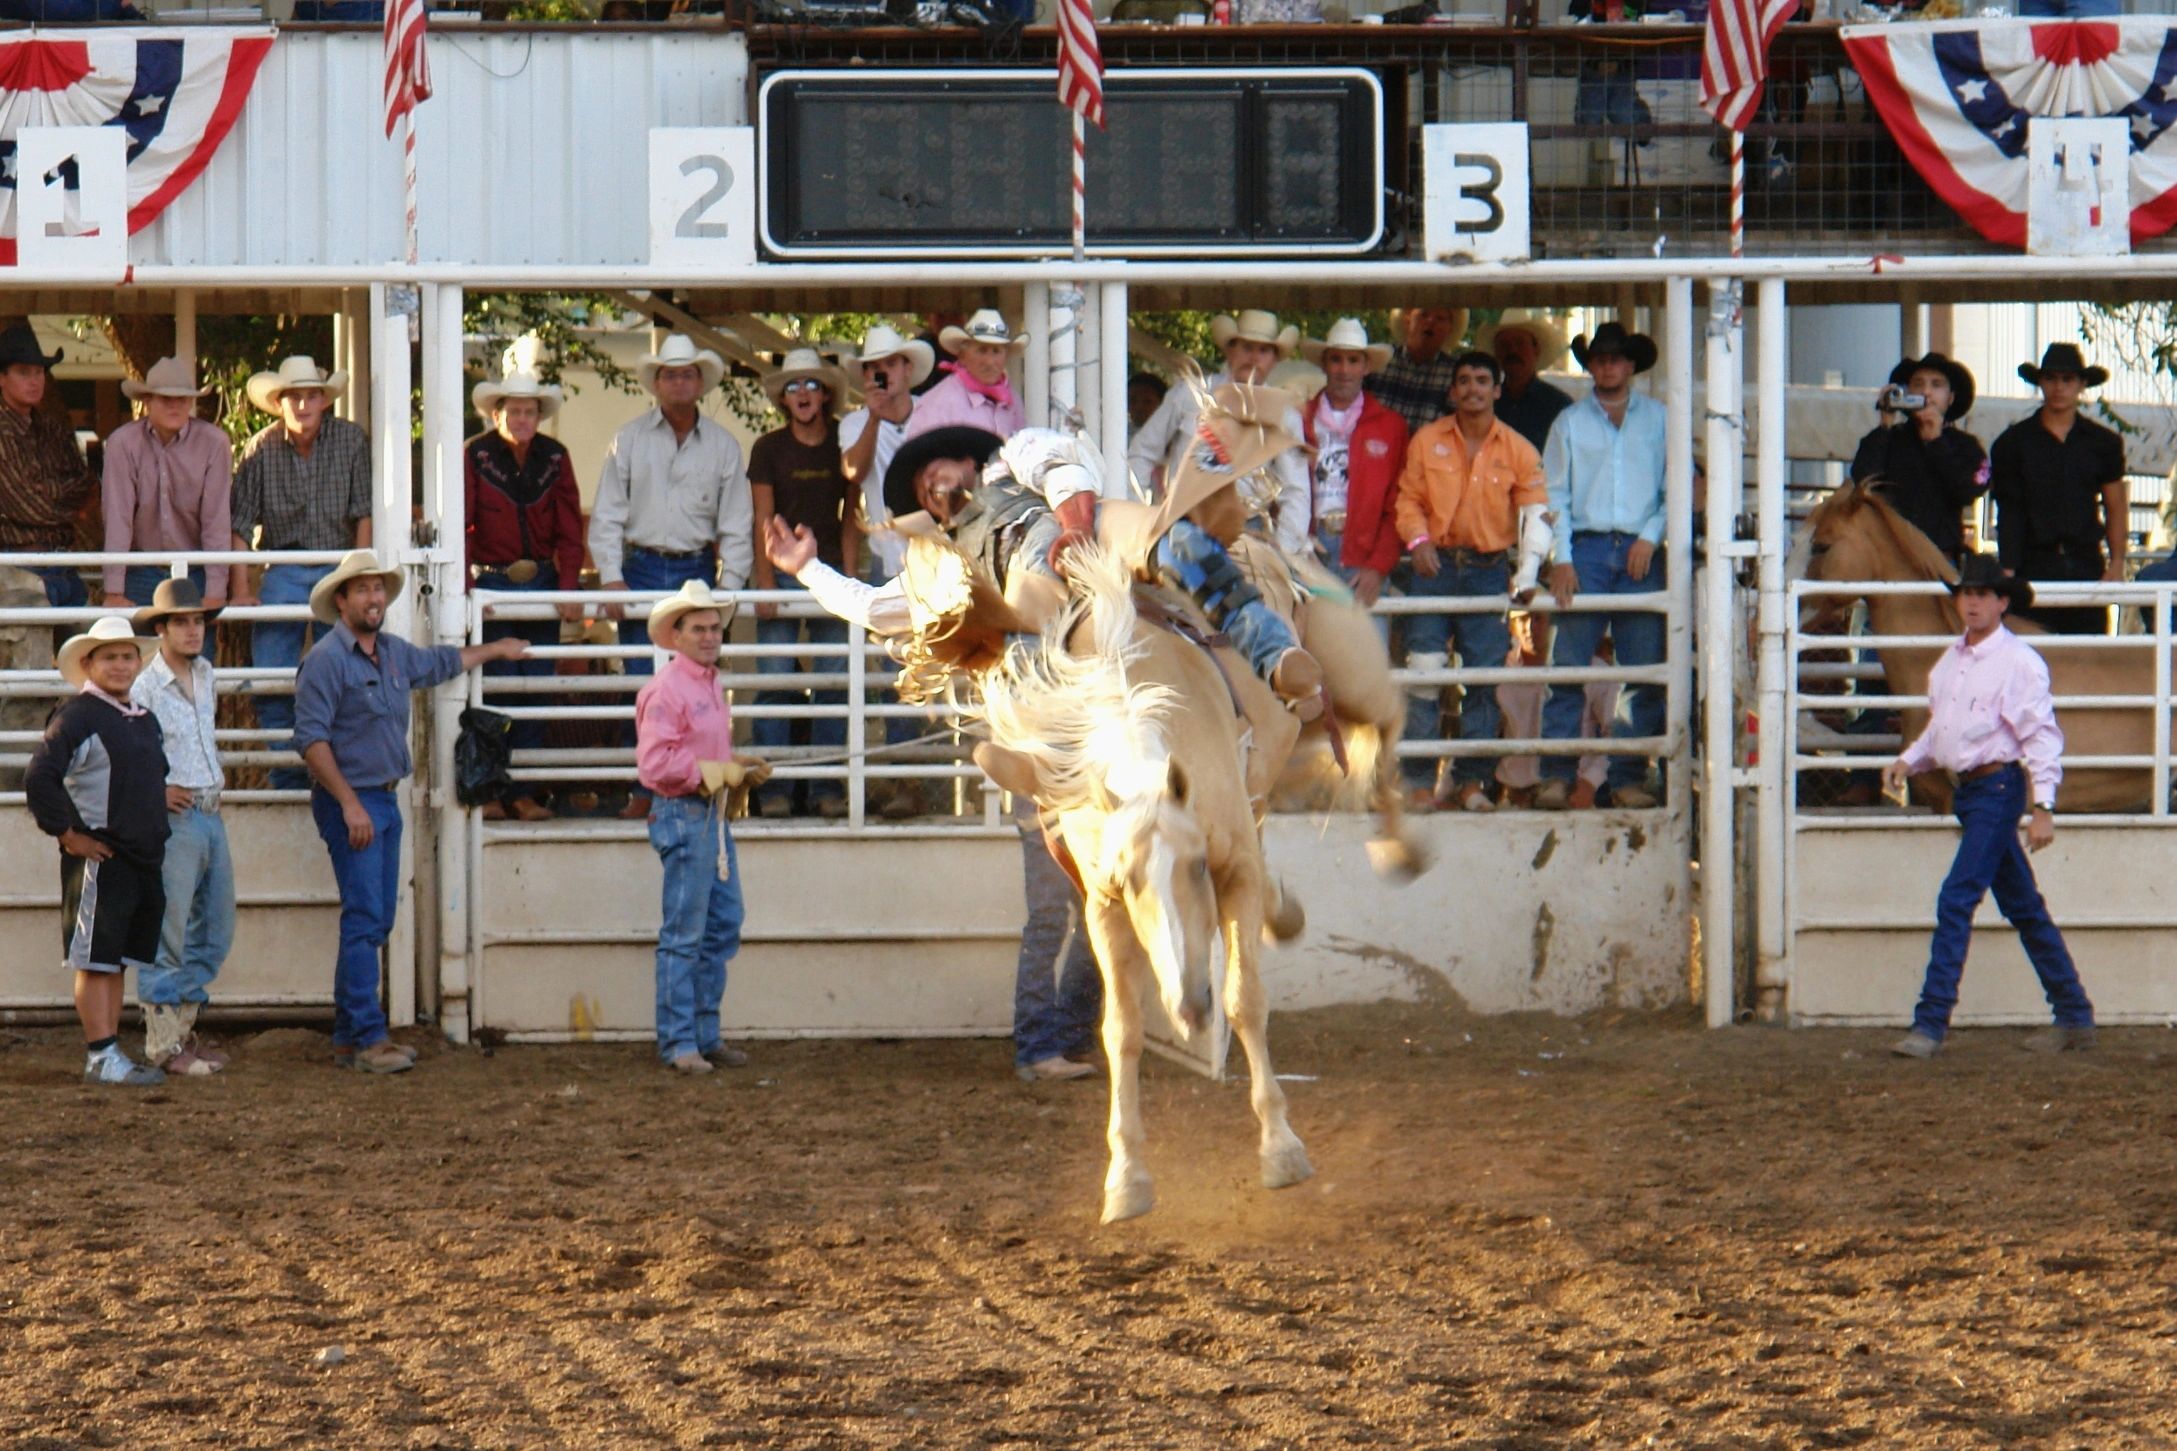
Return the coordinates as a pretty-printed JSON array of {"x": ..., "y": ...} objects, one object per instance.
[
  {"x": 206, "y": 801},
  {"x": 521, "y": 571}
]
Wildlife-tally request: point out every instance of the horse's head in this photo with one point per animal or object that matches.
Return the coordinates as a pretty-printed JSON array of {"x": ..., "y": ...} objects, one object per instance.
[
  {"x": 1155, "y": 859},
  {"x": 1842, "y": 539}
]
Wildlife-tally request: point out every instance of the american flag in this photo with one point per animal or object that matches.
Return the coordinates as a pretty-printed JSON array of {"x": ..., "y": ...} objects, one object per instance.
[
  {"x": 1735, "y": 58},
  {"x": 408, "y": 76},
  {"x": 1080, "y": 61}
]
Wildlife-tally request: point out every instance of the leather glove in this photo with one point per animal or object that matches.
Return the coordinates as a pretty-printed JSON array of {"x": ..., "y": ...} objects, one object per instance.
[
  {"x": 1077, "y": 525},
  {"x": 731, "y": 775}
]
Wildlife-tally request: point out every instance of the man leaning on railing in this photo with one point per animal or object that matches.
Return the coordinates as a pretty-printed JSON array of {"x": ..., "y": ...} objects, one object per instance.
[
  {"x": 44, "y": 481},
  {"x": 169, "y": 485}
]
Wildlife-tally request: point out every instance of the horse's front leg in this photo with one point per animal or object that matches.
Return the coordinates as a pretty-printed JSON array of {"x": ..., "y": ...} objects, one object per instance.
[
  {"x": 1127, "y": 1189},
  {"x": 1284, "y": 1157}
]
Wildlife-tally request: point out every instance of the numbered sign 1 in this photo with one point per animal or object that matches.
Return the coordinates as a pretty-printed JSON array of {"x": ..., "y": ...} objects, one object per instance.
[
  {"x": 703, "y": 196},
  {"x": 71, "y": 200},
  {"x": 1474, "y": 191}
]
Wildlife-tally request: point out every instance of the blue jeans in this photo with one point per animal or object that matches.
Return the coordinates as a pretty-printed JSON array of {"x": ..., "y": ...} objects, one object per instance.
[
  {"x": 1599, "y": 561},
  {"x": 140, "y": 580},
  {"x": 770, "y": 734},
  {"x": 699, "y": 926},
  {"x": 1483, "y": 643},
  {"x": 1057, "y": 1000},
  {"x": 1991, "y": 855},
  {"x": 278, "y": 645},
  {"x": 64, "y": 589},
  {"x": 528, "y": 732},
  {"x": 1194, "y": 560},
  {"x": 370, "y": 890},
  {"x": 897, "y": 728},
  {"x": 199, "y": 927},
  {"x": 642, "y": 570}
]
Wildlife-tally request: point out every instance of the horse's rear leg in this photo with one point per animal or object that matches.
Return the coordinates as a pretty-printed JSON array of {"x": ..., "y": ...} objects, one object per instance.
[
  {"x": 1284, "y": 1157},
  {"x": 1127, "y": 1188},
  {"x": 1396, "y": 854}
]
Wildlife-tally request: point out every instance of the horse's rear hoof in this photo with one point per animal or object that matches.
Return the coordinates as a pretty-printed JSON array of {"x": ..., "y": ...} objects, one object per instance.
[
  {"x": 1285, "y": 1167},
  {"x": 1134, "y": 1201},
  {"x": 1397, "y": 859},
  {"x": 1288, "y": 920}
]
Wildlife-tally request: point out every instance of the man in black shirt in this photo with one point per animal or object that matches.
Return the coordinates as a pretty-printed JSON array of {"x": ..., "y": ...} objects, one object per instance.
[
  {"x": 2060, "y": 491},
  {"x": 1929, "y": 470}
]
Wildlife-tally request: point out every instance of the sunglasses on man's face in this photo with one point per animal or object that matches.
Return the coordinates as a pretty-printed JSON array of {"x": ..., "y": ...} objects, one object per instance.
[{"x": 803, "y": 385}]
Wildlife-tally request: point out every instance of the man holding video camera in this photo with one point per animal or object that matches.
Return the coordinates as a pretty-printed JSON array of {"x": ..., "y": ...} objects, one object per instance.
[{"x": 1930, "y": 471}]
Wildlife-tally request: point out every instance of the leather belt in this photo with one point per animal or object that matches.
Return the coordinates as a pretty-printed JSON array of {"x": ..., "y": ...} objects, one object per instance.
[
  {"x": 1981, "y": 773},
  {"x": 1334, "y": 522},
  {"x": 1453, "y": 554},
  {"x": 669, "y": 553},
  {"x": 517, "y": 571}
]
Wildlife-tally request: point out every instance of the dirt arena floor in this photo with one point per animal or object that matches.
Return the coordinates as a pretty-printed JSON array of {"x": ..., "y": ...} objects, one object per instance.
[{"x": 1523, "y": 1233}]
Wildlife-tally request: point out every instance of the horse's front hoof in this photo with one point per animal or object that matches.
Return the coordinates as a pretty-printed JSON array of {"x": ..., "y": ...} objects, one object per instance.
[
  {"x": 1397, "y": 859},
  {"x": 1287, "y": 921},
  {"x": 1131, "y": 1201},
  {"x": 1286, "y": 1166}
]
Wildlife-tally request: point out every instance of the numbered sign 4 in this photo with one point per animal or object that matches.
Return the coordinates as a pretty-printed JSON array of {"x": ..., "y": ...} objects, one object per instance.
[
  {"x": 71, "y": 201},
  {"x": 1474, "y": 191},
  {"x": 703, "y": 196}
]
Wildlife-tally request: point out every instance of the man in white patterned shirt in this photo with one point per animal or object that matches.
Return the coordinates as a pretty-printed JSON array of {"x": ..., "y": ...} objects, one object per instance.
[{"x": 176, "y": 686}]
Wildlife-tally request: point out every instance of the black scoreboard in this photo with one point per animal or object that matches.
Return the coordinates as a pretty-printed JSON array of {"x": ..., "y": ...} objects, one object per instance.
[{"x": 879, "y": 163}]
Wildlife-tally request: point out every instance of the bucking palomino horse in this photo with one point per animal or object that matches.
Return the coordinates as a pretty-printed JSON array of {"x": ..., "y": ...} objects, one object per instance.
[{"x": 1856, "y": 536}]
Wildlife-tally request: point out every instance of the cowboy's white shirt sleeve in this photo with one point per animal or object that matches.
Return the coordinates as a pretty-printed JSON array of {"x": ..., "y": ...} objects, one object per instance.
[
  {"x": 736, "y": 521},
  {"x": 608, "y": 513},
  {"x": 880, "y": 609},
  {"x": 1056, "y": 465}
]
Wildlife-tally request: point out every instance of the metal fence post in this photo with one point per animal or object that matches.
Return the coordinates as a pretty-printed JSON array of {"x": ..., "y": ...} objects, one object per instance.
[
  {"x": 1719, "y": 635},
  {"x": 1772, "y": 969}
]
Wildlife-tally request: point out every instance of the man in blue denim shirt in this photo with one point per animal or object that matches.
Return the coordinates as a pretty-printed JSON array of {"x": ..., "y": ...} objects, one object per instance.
[
  {"x": 351, "y": 726},
  {"x": 1605, "y": 463}
]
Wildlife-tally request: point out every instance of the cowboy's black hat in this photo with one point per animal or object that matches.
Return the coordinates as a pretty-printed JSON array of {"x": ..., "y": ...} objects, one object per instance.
[
  {"x": 2064, "y": 358},
  {"x": 1953, "y": 371},
  {"x": 1985, "y": 571},
  {"x": 1612, "y": 338},
  {"x": 20, "y": 345},
  {"x": 957, "y": 441},
  {"x": 178, "y": 596}
]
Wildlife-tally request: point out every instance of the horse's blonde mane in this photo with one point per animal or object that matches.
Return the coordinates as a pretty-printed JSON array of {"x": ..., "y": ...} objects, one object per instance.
[{"x": 1920, "y": 552}]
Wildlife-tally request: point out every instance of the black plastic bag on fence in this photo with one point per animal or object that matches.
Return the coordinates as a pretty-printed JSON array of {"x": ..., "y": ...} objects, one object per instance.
[{"x": 482, "y": 756}]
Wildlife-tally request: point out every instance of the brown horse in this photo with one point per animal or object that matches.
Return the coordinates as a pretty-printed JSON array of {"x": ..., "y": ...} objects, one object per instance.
[{"x": 1854, "y": 535}]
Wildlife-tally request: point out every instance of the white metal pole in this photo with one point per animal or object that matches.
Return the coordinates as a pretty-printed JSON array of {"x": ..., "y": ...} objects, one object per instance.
[
  {"x": 1035, "y": 393},
  {"x": 1111, "y": 357},
  {"x": 1772, "y": 961},
  {"x": 390, "y": 541},
  {"x": 445, "y": 507},
  {"x": 1062, "y": 322},
  {"x": 1719, "y": 643},
  {"x": 1678, "y": 550}
]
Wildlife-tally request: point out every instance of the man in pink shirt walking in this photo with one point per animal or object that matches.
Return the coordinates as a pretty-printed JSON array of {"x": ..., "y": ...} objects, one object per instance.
[{"x": 1992, "y": 725}]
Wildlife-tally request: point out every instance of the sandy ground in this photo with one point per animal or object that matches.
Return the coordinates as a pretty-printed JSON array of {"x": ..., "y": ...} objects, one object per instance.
[{"x": 1524, "y": 1233}]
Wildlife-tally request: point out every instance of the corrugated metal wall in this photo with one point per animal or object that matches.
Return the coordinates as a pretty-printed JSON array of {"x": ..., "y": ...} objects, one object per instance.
[{"x": 533, "y": 150}]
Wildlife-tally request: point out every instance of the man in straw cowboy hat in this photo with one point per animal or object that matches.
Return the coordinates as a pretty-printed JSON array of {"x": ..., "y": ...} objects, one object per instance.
[
  {"x": 2063, "y": 506},
  {"x": 169, "y": 485},
  {"x": 975, "y": 392},
  {"x": 796, "y": 475},
  {"x": 1931, "y": 469},
  {"x": 44, "y": 481},
  {"x": 524, "y": 533},
  {"x": 351, "y": 726},
  {"x": 684, "y": 754},
  {"x": 178, "y": 688},
  {"x": 304, "y": 484},
  {"x": 1416, "y": 381},
  {"x": 1525, "y": 342},
  {"x": 97, "y": 783},
  {"x": 891, "y": 369},
  {"x": 1992, "y": 725},
  {"x": 673, "y": 501},
  {"x": 1359, "y": 446}
]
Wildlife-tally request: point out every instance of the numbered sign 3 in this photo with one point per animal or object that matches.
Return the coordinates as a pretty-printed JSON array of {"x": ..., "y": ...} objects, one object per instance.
[
  {"x": 703, "y": 196},
  {"x": 1474, "y": 191},
  {"x": 71, "y": 201}
]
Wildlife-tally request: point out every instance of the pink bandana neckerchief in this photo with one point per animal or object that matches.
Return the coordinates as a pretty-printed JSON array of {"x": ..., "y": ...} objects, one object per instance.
[
  {"x": 1000, "y": 392},
  {"x": 1339, "y": 423}
]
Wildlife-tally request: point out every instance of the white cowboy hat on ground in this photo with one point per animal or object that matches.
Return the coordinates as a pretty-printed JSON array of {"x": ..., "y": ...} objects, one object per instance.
[
  {"x": 168, "y": 378},
  {"x": 487, "y": 395},
  {"x": 112, "y": 630},
  {"x": 1347, "y": 335},
  {"x": 679, "y": 352},
  {"x": 1256, "y": 326},
  {"x": 694, "y": 595},
  {"x": 884, "y": 341},
  {"x": 1548, "y": 333},
  {"x": 302, "y": 371},
  {"x": 986, "y": 326},
  {"x": 805, "y": 363},
  {"x": 354, "y": 565}
]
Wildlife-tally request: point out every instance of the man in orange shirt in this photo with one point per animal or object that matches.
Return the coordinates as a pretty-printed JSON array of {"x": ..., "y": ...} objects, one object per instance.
[{"x": 1472, "y": 493}]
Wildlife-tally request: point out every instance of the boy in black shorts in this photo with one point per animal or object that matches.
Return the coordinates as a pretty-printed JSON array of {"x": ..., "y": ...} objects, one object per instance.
[{"x": 98, "y": 783}]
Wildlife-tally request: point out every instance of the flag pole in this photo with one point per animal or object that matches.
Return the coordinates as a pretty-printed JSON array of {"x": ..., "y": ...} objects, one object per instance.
[
  {"x": 1080, "y": 187},
  {"x": 408, "y": 177},
  {"x": 1738, "y": 192}
]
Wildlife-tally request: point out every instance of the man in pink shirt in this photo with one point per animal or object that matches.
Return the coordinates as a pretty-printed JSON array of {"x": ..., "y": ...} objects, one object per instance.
[
  {"x": 169, "y": 484},
  {"x": 683, "y": 742},
  {"x": 1992, "y": 725},
  {"x": 975, "y": 392}
]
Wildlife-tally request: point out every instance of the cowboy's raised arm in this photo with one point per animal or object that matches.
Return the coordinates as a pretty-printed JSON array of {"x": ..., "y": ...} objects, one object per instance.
[{"x": 880, "y": 609}]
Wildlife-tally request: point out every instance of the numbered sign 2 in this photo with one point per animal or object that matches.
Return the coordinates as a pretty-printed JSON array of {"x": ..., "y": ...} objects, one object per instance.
[
  {"x": 703, "y": 196},
  {"x": 1474, "y": 191},
  {"x": 71, "y": 200}
]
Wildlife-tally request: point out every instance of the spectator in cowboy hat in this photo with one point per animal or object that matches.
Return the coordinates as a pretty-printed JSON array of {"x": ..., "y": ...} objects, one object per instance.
[
  {"x": 303, "y": 483},
  {"x": 523, "y": 515},
  {"x": 976, "y": 392},
  {"x": 177, "y": 686},
  {"x": 892, "y": 369},
  {"x": 1929, "y": 468},
  {"x": 1417, "y": 380},
  {"x": 2063, "y": 509},
  {"x": 169, "y": 484},
  {"x": 44, "y": 482},
  {"x": 796, "y": 475},
  {"x": 673, "y": 501},
  {"x": 351, "y": 727},
  {"x": 1525, "y": 342},
  {"x": 1359, "y": 445}
]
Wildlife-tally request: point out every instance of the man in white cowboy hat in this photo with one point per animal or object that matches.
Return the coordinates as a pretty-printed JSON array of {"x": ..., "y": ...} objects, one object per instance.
[
  {"x": 1416, "y": 382},
  {"x": 524, "y": 533},
  {"x": 2063, "y": 506},
  {"x": 684, "y": 755},
  {"x": 178, "y": 688},
  {"x": 303, "y": 483},
  {"x": 976, "y": 392},
  {"x": 351, "y": 727},
  {"x": 1524, "y": 343},
  {"x": 97, "y": 784},
  {"x": 44, "y": 481},
  {"x": 1360, "y": 445},
  {"x": 1253, "y": 343},
  {"x": 892, "y": 368},
  {"x": 169, "y": 485},
  {"x": 795, "y": 474}
]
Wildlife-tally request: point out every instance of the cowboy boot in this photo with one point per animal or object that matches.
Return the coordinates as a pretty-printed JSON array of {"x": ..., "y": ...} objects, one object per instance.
[
  {"x": 162, "y": 1033},
  {"x": 194, "y": 1044},
  {"x": 1297, "y": 677}
]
